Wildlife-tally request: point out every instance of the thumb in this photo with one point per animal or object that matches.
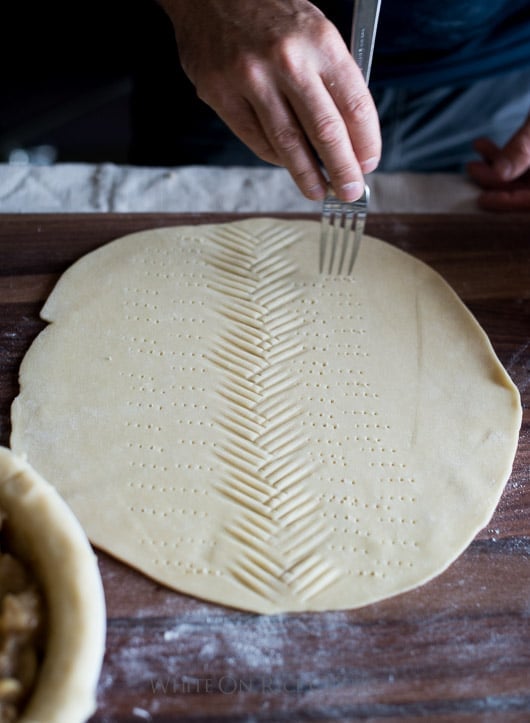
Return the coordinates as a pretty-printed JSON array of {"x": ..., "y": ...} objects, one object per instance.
[{"x": 514, "y": 158}]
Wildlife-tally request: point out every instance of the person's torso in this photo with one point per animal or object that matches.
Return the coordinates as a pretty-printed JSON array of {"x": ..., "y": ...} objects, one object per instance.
[{"x": 422, "y": 43}]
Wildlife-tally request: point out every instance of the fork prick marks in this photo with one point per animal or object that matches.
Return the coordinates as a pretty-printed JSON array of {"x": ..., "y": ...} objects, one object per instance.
[{"x": 277, "y": 532}]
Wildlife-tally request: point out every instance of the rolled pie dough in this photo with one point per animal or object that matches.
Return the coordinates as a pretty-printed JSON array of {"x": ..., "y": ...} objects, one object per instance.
[{"x": 244, "y": 430}]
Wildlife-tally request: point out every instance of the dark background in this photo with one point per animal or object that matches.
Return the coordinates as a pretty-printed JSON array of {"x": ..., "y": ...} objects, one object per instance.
[
  {"x": 66, "y": 77},
  {"x": 100, "y": 82}
]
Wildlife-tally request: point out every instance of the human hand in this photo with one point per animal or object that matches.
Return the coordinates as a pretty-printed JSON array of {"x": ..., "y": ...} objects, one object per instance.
[
  {"x": 281, "y": 77},
  {"x": 504, "y": 174}
]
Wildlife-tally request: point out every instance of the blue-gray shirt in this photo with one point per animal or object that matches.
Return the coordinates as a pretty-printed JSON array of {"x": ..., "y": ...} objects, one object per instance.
[{"x": 428, "y": 43}]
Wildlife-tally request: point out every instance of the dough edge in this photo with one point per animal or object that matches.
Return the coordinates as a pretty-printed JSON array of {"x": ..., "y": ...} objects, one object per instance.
[{"x": 47, "y": 533}]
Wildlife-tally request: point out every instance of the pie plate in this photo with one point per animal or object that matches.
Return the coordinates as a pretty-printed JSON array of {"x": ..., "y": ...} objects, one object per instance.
[{"x": 43, "y": 533}]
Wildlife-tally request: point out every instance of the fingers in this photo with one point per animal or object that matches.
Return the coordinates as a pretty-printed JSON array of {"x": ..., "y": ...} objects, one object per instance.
[
  {"x": 357, "y": 109},
  {"x": 501, "y": 194},
  {"x": 288, "y": 138},
  {"x": 269, "y": 127},
  {"x": 502, "y": 165},
  {"x": 486, "y": 173},
  {"x": 514, "y": 200},
  {"x": 293, "y": 124},
  {"x": 239, "y": 115},
  {"x": 334, "y": 109},
  {"x": 514, "y": 159},
  {"x": 487, "y": 149},
  {"x": 343, "y": 132},
  {"x": 305, "y": 129},
  {"x": 332, "y": 116}
]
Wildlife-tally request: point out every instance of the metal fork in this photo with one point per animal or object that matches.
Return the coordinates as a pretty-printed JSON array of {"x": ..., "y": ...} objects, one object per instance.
[{"x": 344, "y": 220}]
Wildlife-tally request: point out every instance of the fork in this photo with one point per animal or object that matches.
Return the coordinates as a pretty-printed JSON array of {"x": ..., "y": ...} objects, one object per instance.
[{"x": 342, "y": 220}]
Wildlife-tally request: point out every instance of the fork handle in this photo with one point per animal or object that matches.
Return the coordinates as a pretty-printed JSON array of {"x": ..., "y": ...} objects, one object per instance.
[{"x": 364, "y": 26}]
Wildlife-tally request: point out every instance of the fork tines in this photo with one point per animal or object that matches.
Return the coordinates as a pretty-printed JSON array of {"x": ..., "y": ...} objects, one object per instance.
[{"x": 342, "y": 228}]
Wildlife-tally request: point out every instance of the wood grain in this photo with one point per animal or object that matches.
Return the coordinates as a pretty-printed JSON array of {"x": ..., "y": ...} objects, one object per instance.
[{"x": 455, "y": 649}]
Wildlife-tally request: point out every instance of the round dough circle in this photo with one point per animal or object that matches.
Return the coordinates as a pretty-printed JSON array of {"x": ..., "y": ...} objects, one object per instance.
[{"x": 241, "y": 429}]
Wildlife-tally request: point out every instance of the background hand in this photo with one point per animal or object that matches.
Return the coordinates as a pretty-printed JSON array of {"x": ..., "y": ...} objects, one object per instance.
[
  {"x": 281, "y": 77},
  {"x": 504, "y": 174}
]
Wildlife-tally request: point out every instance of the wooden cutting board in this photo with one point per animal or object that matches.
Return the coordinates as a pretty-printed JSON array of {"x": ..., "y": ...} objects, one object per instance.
[{"x": 455, "y": 649}]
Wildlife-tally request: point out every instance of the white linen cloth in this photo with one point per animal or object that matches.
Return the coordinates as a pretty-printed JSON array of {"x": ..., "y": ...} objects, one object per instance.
[{"x": 72, "y": 187}]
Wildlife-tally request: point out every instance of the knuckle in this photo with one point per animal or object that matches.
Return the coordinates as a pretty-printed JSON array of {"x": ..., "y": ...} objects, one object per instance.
[
  {"x": 359, "y": 109},
  {"x": 286, "y": 139},
  {"x": 289, "y": 59},
  {"x": 244, "y": 71},
  {"x": 327, "y": 130},
  {"x": 249, "y": 70},
  {"x": 291, "y": 51}
]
